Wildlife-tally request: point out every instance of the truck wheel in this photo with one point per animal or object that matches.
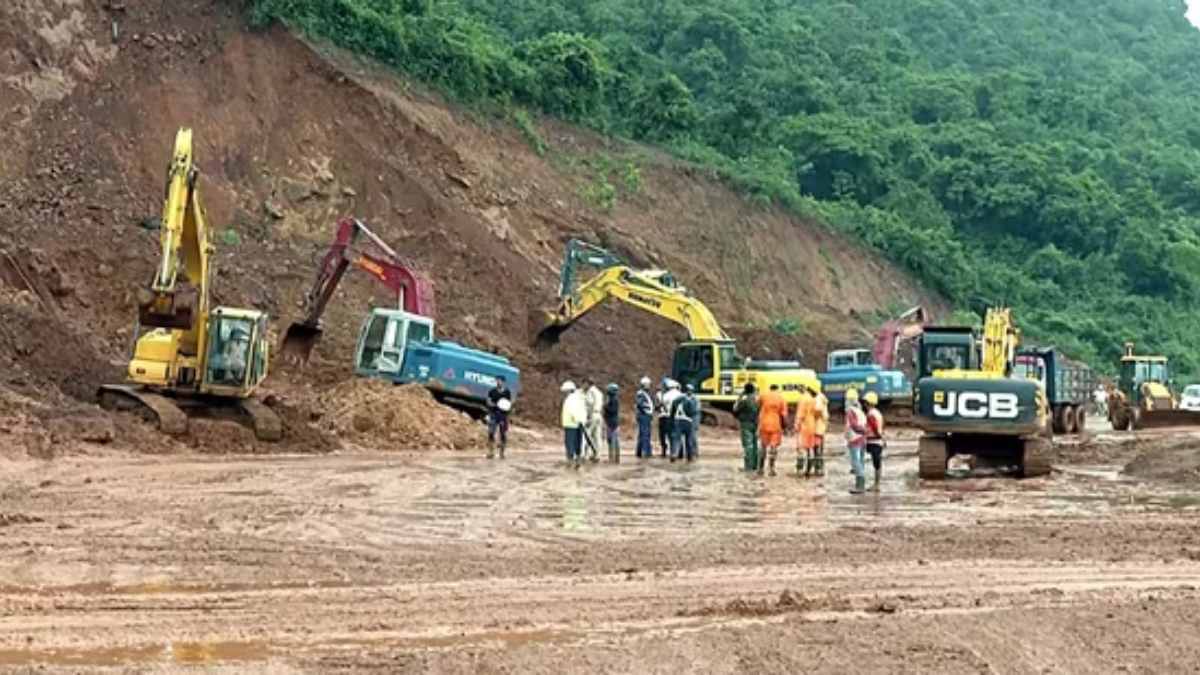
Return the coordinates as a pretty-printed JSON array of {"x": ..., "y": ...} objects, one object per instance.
[
  {"x": 1081, "y": 419},
  {"x": 1060, "y": 421},
  {"x": 1069, "y": 419},
  {"x": 932, "y": 458},
  {"x": 1035, "y": 460}
]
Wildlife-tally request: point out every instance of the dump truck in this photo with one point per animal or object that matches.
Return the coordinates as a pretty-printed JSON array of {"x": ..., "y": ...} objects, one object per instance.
[
  {"x": 1068, "y": 385},
  {"x": 1143, "y": 398}
]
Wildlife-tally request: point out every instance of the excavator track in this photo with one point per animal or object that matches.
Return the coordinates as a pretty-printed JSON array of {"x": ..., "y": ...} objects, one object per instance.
[
  {"x": 1036, "y": 458},
  {"x": 171, "y": 420},
  {"x": 267, "y": 425},
  {"x": 932, "y": 456}
]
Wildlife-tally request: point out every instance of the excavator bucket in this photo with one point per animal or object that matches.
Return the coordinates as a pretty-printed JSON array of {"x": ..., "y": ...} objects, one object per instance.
[
  {"x": 298, "y": 342},
  {"x": 175, "y": 309},
  {"x": 548, "y": 327},
  {"x": 1167, "y": 418}
]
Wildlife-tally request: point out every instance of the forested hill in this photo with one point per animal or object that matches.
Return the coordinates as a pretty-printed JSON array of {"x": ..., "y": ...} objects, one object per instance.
[{"x": 1044, "y": 154}]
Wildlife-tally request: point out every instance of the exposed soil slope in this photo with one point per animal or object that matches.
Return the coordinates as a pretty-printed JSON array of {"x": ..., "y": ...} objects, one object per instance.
[{"x": 290, "y": 138}]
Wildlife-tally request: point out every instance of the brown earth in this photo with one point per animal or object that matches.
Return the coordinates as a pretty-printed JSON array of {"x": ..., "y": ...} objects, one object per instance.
[
  {"x": 1176, "y": 460},
  {"x": 441, "y": 562},
  {"x": 291, "y": 137},
  {"x": 376, "y": 414}
]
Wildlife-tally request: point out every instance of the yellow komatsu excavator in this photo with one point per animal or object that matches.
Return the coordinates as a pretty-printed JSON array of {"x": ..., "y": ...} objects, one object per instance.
[
  {"x": 709, "y": 360},
  {"x": 188, "y": 356}
]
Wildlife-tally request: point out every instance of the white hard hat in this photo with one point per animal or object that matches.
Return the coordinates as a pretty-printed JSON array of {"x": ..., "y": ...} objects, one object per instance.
[
  {"x": 672, "y": 384},
  {"x": 504, "y": 405},
  {"x": 568, "y": 387},
  {"x": 645, "y": 382}
]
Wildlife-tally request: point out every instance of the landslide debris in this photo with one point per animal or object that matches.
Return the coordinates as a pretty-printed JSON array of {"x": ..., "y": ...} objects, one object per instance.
[{"x": 378, "y": 415}]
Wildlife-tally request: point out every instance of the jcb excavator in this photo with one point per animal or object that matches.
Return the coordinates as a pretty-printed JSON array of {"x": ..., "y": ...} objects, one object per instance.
[
  {"x": 189, "y": 356},
  {"x": 969, "y": 403},
  {"x": 709, "y": 360},
  {"x": 1143, "y": 399}
]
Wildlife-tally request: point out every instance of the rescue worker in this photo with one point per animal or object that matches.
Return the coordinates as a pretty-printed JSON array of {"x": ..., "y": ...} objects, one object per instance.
[
  {"x": 664, "y": 417},
  {"x": 677, "y": 411},
  {"x": 856, "y": 439},
  {"x": 820, "y": 427},
  {"x": 697, "y": 417},
  {"x": 685, "y": 418},
  {"x": 875, "y": 440},
  {"x": 805, "y": 427},
  {"x": 746, "y": 411},
  {"x": 498, "y": 415},
  {"x": 612, "y": 422},
  {"x": 772, "y": 411},
  {"x": 595, "y": 417},
  {"x": 574, "y": 416},
  {"x": 644, "y": 404}
]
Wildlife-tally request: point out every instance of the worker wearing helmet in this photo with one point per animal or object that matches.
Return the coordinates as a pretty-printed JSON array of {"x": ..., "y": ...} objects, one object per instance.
[
  {"x": 595, "y": 417},
  {"x": 820, "y": 427},
  {"x": 772, "y": 411},
  {"x": 664, "y": 416},
  {"x": 644, "y": 406},
  {"x": 856, "y": 439},
  {"x": 746, "y": 411},
  {"x": 574, "y": 416},
  {"x": 499, "y": 404},
  {"x": 805, "y": 427},
  {"x": 612, "y": 422},
  {"x": 875, "y": 440}
]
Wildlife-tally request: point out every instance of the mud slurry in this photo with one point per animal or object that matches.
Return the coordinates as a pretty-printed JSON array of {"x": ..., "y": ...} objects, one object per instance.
[{"x": 453, "y": 563}]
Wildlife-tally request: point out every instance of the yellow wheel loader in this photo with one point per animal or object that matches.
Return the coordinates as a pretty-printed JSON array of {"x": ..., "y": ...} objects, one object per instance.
[
  {"x": 1143, "y": 398},
  {"x": 189, "y": 357}
]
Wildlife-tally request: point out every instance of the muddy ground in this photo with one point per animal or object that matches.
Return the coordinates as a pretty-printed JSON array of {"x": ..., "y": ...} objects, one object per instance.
[{"x": 447, "y": 562}]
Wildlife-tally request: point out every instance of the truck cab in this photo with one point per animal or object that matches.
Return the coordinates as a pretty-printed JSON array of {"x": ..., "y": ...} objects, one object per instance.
[
  {"x": 401, "y": 346},
  {"x": 856, "y": 368}
]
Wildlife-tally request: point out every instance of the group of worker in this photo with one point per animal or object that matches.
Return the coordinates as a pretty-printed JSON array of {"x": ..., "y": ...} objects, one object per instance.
[
  {"x": 588, "y": 415},
  {"x": 763, "y": 418}
]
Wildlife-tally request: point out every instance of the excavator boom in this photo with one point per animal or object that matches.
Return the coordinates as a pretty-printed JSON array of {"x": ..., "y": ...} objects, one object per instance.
[
  {"x": 413, "y": 289},
  {"x": 178, "y": 296}
]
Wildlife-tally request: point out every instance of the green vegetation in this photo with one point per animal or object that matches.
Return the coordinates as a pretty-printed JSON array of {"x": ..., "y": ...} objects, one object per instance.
[
  {"x": 530, "y": 132},
  {"x": 787, "y": 327},
  {"x": 1041, "y": 154}
]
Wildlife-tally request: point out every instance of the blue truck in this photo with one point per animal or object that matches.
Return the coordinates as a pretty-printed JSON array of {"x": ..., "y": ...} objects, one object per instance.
[
  {"x": 856, "y": 368},
  {"x": 401, "y": 347}
]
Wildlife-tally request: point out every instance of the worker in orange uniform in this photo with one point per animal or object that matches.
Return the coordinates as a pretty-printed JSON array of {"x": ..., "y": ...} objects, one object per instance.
[
  {"x": 772, "y": 411},
  {"x": 805, "y": 428},
  {"x": 816, "y": 461}
]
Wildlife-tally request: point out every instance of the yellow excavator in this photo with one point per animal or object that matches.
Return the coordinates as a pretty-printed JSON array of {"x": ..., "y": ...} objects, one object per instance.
[
  {"x": 969, "y": 401},
  {"x": 709, "y": 360},
  {"x": 191, "y": 358}
]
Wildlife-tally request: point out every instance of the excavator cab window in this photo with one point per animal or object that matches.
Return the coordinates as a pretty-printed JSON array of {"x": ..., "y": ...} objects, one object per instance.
[
  {"x": 948, "y": 357},
  {"x": 230, "y": 351},
  {"x": 693, "y": 364},
  {"x": 372, "y": 344},
  {"x": 419, "y": 332}
]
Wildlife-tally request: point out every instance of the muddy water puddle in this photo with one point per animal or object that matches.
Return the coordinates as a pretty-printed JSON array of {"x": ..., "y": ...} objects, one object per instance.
[{"x": 467, "y": 497}]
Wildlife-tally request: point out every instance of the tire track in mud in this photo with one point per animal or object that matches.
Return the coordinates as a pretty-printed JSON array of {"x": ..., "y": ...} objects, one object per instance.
[{"x": 502, "y": 612}]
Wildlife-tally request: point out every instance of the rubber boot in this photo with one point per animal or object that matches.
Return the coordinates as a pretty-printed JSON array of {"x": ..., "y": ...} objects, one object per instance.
[
  {"x": 771, "y": 471},
  {"x": 820, "y": 460},
  {"x": 810, "y": 464},
  {"x": 801, "y": 466},
  {"x": 875, "y": 485},
  {"x": 502, "y": 448},
  {"x": 860, "y": 485},
  {"x": 491, "y": 449}
]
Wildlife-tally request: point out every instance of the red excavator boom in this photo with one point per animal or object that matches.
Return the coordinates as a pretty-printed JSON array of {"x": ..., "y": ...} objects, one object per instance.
[
  {"x": 413, "y": 289},
  {"x": 905, "y": 327}
]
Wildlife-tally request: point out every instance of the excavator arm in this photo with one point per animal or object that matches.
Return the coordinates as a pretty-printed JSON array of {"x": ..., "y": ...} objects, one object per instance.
[
  {"x": 1000, "y": 341},
  {"x": 907, "y": 326},
  {"x": 414, "y": 290},
  {"x": 644, "y": 290},
  {"x": 177, "y": 298}
]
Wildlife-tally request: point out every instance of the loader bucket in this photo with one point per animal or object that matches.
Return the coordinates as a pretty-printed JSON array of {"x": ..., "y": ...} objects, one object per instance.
[
  {"x": 298, "y": 342},
  {"x": 1164, "y": 419}
]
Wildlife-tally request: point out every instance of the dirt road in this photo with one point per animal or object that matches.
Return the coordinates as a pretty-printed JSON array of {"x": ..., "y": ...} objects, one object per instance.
[{"x": 450, "y": 563}]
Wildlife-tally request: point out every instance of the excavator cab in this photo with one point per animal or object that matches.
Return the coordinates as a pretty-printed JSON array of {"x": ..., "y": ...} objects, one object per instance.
[{"x": 237, "y": 351}]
